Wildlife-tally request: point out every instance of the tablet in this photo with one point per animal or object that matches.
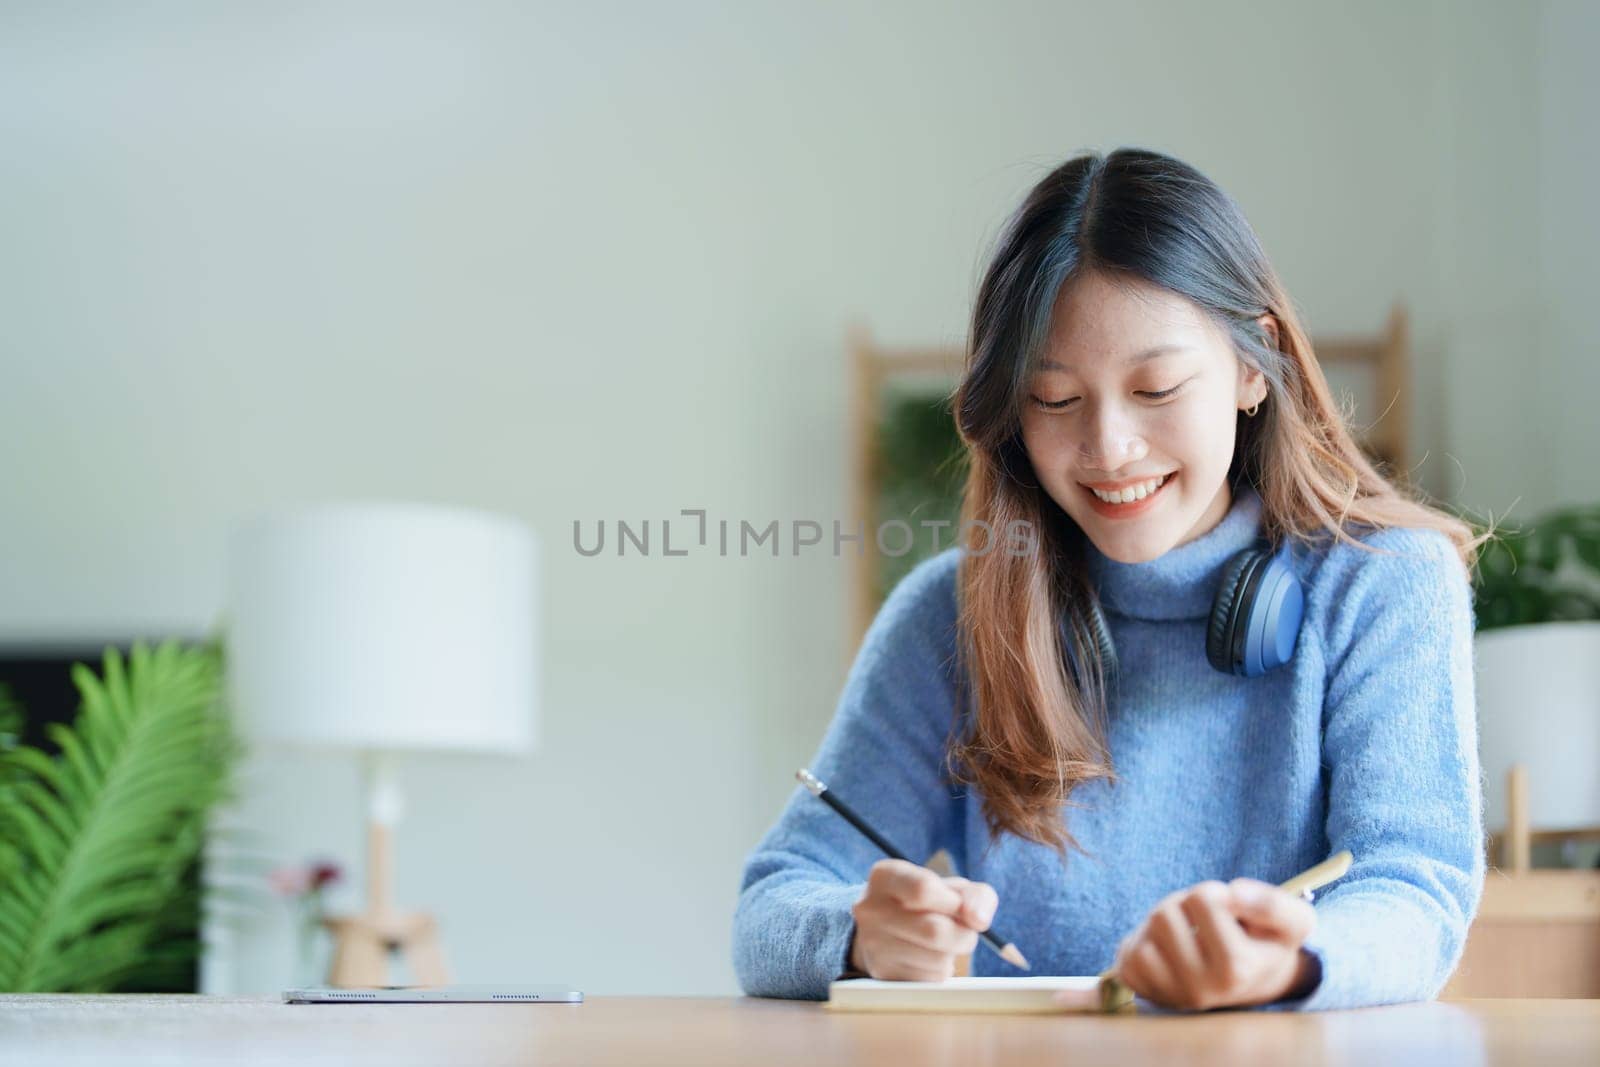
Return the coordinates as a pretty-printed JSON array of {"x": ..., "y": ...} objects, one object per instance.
[{"x": 434, "y": 994}]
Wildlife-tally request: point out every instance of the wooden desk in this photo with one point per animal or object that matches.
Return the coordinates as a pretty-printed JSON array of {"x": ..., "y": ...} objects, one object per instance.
[{"x": 44, "y": 1030}]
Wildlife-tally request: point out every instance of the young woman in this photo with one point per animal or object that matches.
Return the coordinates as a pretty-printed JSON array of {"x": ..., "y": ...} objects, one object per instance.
[{"x": 1229, "y": 649}]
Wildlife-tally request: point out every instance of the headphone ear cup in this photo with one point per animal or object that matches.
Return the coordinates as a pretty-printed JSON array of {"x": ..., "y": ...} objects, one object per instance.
[
  {"x": 1277, "y": 605},
  {"x": 1096, "y": 621},
  {"x": 1102, "y": 639},
  {"x": 1224, "y": 610}
]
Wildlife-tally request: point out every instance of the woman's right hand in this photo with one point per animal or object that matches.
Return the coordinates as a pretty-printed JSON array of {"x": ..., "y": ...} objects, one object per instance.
[{"x": 911, "y": 924}]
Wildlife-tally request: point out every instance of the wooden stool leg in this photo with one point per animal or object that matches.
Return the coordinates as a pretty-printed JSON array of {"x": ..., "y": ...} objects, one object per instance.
[{"x": 1519, "y": 845}]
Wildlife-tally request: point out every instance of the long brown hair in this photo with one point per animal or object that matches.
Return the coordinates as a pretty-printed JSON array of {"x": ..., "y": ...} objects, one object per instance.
[{"x": 1037, "y": 727}]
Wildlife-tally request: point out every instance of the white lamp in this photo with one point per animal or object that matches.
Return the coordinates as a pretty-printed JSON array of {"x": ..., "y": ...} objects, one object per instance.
[{"x": 383, "y": 627}]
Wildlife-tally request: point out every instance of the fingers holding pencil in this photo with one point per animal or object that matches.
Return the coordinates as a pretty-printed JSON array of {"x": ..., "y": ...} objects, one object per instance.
[
  {"x": 978, "y": 912},
  {"x": 978, "y": 902},
  {"x": 912, "y": 924},
  {"x": 969, "y": 904}
]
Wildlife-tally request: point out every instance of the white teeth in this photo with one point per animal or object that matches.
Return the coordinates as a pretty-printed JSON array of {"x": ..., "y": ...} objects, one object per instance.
[{"x": 1131, "y": 493}]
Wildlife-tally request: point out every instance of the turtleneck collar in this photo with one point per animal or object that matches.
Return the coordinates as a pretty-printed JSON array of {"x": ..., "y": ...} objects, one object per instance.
[{"x": 1181, "y": 583}]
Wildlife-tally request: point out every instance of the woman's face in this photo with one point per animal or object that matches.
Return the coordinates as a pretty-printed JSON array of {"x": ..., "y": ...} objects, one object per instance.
[{"x": 1138, "y": 393}]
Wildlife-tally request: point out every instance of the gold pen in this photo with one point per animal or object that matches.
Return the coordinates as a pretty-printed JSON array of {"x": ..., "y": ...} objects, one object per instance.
[{"x": 1114, "y": 996}]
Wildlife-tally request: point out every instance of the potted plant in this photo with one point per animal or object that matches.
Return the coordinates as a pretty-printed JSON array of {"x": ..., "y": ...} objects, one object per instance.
[{"x": 1537, "y": 650}]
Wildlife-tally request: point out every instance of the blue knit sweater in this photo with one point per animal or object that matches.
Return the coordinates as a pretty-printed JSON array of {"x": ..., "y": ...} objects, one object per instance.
[{"x": 1365, "y": 741}]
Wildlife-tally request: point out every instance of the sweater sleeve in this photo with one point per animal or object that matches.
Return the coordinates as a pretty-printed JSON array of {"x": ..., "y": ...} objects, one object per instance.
[
  {"x": 883, "y": 754},
  {"x": 1401, "y": 757}
]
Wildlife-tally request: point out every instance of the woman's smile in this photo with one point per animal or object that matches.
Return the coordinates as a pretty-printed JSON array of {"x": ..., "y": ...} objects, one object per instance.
[{"x": 1127, "y": 509}]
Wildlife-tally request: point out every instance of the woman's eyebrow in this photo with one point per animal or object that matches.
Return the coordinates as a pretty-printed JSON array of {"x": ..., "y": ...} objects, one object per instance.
[{"x": 1149, "y": 353}]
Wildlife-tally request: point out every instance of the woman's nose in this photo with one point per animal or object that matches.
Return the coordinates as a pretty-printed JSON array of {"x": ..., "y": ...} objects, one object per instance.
[{"x": 1112, "y": 441}]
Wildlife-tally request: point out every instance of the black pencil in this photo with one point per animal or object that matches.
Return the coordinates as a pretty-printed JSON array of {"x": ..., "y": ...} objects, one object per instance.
[{"x": 1008, "y": 952}]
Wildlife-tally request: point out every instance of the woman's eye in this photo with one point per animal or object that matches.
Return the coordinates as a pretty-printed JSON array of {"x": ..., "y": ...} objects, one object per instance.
[
  {"x": 1054, "y": 405},
  {"x": 1062, "y": 405}
]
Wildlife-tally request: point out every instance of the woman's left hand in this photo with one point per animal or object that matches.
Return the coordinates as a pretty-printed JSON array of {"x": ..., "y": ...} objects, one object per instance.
[{"x": 1215, "y": 946}]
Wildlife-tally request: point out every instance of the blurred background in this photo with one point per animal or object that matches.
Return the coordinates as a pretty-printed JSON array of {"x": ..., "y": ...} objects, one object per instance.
[{"x": 574, "y": 263}]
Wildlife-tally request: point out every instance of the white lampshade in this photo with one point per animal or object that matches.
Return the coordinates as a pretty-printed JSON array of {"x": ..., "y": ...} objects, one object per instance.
[
  {"x": 385, "y": 626},
  {"x": 1539, "y": 705}
]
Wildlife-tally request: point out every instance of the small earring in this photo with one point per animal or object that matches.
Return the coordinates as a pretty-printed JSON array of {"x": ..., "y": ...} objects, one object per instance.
[{"x": 1250, "y": 413}]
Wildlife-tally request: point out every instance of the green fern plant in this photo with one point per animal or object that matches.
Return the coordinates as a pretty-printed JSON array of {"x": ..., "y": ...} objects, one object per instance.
[
  {"x": 10, "y": 719},
  {"x": 98, "y": 843},
  {"x": 10, "y": 737}
]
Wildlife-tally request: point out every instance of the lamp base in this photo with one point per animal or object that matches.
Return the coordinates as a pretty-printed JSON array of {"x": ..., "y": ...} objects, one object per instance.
[{"x": 362, "y": 944}]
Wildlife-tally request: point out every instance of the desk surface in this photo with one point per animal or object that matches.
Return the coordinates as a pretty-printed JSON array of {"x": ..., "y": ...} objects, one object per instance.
[{"x": 41, "y": 1030}]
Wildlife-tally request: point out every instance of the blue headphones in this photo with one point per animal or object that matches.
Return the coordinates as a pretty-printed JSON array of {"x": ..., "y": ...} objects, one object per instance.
[{"x": 1255, "y": 615}]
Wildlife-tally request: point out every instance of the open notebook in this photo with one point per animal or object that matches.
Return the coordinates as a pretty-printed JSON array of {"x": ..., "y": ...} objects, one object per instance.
[{"x": 1031, "y": 994}]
